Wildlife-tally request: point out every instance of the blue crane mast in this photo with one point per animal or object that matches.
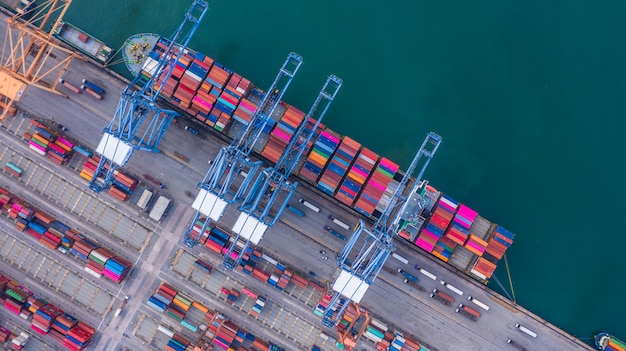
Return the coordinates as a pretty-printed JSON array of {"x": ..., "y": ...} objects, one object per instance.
[
  {"x": 268, "y": 197},
  {"x": 138, "y": 123},
  {"x": 232, "y": 170},
  {"x": 358, "y": 273}
]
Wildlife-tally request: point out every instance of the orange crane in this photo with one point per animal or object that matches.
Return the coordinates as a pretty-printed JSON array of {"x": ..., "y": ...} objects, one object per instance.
[
  {"x": 352, "y": 324},
  {"x": 30, "y": 55}
]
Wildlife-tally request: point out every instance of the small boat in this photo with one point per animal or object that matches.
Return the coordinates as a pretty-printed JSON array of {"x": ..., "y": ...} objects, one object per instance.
[
  {"x": 85, "y": 43},
  {"x": 607, "y": 342}
]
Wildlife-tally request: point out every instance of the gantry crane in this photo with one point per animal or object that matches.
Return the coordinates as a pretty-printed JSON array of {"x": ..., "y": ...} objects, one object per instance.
[
  {"x": 30, "y": 55},
  {"x": 219, "y": 188},
  {"x": 128, "y": 129},
  {"x": 268, "y": 197},
  {"x": 358, "y": 273}
]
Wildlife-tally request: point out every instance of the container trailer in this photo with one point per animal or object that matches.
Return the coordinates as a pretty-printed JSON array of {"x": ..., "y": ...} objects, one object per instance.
[
  {"x": 468, "y": 312},
  {"x": 425, "y": 272},
  {"x": 515, "y": 345},
  {"x": 400, "y": 258},
  {"x": 309, "y": 205},
  {"x": 525, "y": 330},
  {"x": 93, "y": 87},
  {"x": 442, "y": 297},
  {"x": 296, "y": 210},
  {"x": 339, "y": 223},
  {"x": 452, "y": 288},
  {"x": 478, "y": 303},
  {"x": 408, "y": 275},
  {"x": 334, "y": 232}
]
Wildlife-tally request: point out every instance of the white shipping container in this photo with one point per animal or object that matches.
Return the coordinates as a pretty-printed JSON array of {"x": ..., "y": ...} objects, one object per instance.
[
  {"x": 525, "y": 330},
  {"x": 165, "y": 331},
  {"x": 309, "y": 205},
  {"x": 159, "y": 208},
  {"x": 144, "y": 199},
  {"x": 400, "y": 258},
  {"x": 428, "y": 274},
  {"x": 478, "y": 303},
  {"x": 341, "y": 224},
  {"x": 452, "y": 288}
]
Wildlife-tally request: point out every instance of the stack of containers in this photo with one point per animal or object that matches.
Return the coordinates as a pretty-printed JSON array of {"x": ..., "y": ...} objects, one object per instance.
[
  {"x": 284, "y": 279},
  {"x": 19, "y": 342},
  {"x": 162, "y": 298},
  {"x": 60, "y": 151},
  {"x": 82, "y": 247},
  {"x": 226, "y": 334},
  {"x": 444, "y": 248},
  {"x": 261, "y": 275},
  {"x": 249, "y": 260},
  {"x": 338, "y": 166},
  {"x": 308, "y": 129},
  {"x": 217, "y": 240},
  {"x": 193, "y": 78},
  {"x": 41, "y": 139},
  {"x": 63, "y": 323},
  {"x": 89, "y": 167},
  {"x": 188, "y": 83},
  {"x": 51, "y": 239},
  {"x": 258, "y": 306},
  {"x": 5, "y": 334},
  {"x": 116, "y": 268},
  {"x": 463, "y": 219},
  {"x": 35, "y": 229},
  {"x": 282, "y": 133},
  {"x": 498, "y": 244},
  {"x": 177, "y": 343},
  {"x": 44, "y": 317},
  {"x": 124, "y": 182},
  {"x": 437, "y": 224},
  {"x": 320, "y": 154},
  {"x": 229, "y": 98},
  {"x": 97, "y": 258},
  {"x": 182, "y": 303},
  {"x": 475, "y": 245},
  {"x": 375, "y": 187},
  {"x": 276, "y": 275},
  {"x": 197, "y": 227},
  {"x": 221, "y": 113},
  {"x": 375, "y": 331},
  {"x": 79, "y": 336},
  {"x": 245, "y": 111},
  {"x": 299, "y": 281},
  {"x": 358, "y": 174},
  {"x": 323, "y": 304},
  {"x": 483, "y": 269}
]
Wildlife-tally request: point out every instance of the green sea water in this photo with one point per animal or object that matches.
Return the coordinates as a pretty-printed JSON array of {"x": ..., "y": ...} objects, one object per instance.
[{"x": 527, "y": 95}]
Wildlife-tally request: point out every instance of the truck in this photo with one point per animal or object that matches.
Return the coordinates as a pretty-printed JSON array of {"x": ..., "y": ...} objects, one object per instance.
[
  {"x": 414, "y": 284},
  {"x": 160, "y": 208},
  {"x": 309, "y": 205},
  {"x": 468, "y": 312},
  {"x": 334, "y": 232},
  {"x": 119, "y": 309},
  {"x": 478, "y": 303},
  {"x": 408, "y": 275},
  {"x": 425, "y": 272},
  {"x": 515, "y": 345},
  {"x": 452, "y": 288},
  {"x": 339, "y": 223},
  {"x": 525, "y": 330},
  {"x": 296, "y": 210},
  {"x": 442, "y": 297},
  {"x": 96, "y": 89}
]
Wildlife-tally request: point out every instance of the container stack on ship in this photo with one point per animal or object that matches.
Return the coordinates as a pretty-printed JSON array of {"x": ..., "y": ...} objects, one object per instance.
[{"x": 336, "y": 165}]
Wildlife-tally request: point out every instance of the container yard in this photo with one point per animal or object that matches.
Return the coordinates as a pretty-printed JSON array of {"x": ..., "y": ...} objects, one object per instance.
[{"x": 95, "y": 250}]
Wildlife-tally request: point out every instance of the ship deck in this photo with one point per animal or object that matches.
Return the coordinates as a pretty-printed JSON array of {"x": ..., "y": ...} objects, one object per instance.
[
  {"x": 136, "y": 50},
  {"x": 92, "y": 46}
]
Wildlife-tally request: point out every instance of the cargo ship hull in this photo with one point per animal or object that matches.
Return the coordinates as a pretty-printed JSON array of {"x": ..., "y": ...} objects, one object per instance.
[
  {"x": 85, "y": 43},
  {"x": 336, "y": 165}
]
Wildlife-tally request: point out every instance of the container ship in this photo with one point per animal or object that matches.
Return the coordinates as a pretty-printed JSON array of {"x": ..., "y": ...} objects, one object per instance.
[
  {"x": 85, "y": 43},
  {"x": 336, "y": 165},
  {"x": 607, "y": 342}
]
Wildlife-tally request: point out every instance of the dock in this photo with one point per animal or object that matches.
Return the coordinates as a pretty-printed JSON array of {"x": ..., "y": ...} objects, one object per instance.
[{"x": 158, "y": 255}]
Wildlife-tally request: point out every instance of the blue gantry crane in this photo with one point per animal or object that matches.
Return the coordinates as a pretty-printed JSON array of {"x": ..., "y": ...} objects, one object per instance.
[
  {"x": 358, "y": 273},
  {"x": 271, "y": 191},
  {"x": 232, "y": 170},
  {"x": 139, "y": 123}
]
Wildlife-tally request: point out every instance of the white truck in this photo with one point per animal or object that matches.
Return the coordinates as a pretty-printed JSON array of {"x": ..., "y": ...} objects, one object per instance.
[{"x": 525, "y": 330}]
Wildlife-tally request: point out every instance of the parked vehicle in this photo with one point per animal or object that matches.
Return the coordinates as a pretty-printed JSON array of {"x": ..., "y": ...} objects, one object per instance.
[
  {"x": 296, "y": 210},
  {"x": 468, "y": 312},
  {"x": 408, "y": 275},
  {"x": 452, "y": 288},
  {"x": 515, "y": 345},
  {"x": 339, "y": 223},
  {"x": 334, "y": 232},
  {"x": 309, "y": 205},
  {"x": 425, "y": 272},
  {"x": 525, "y": 330},
  {"x": 442, "y": 297},
  {"x": 191, "y": 130},
  {"x": 478, "y": 303}
]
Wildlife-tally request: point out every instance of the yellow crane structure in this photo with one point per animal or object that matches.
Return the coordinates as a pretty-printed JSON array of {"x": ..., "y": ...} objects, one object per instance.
[{"x": 30, "y": 55}]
